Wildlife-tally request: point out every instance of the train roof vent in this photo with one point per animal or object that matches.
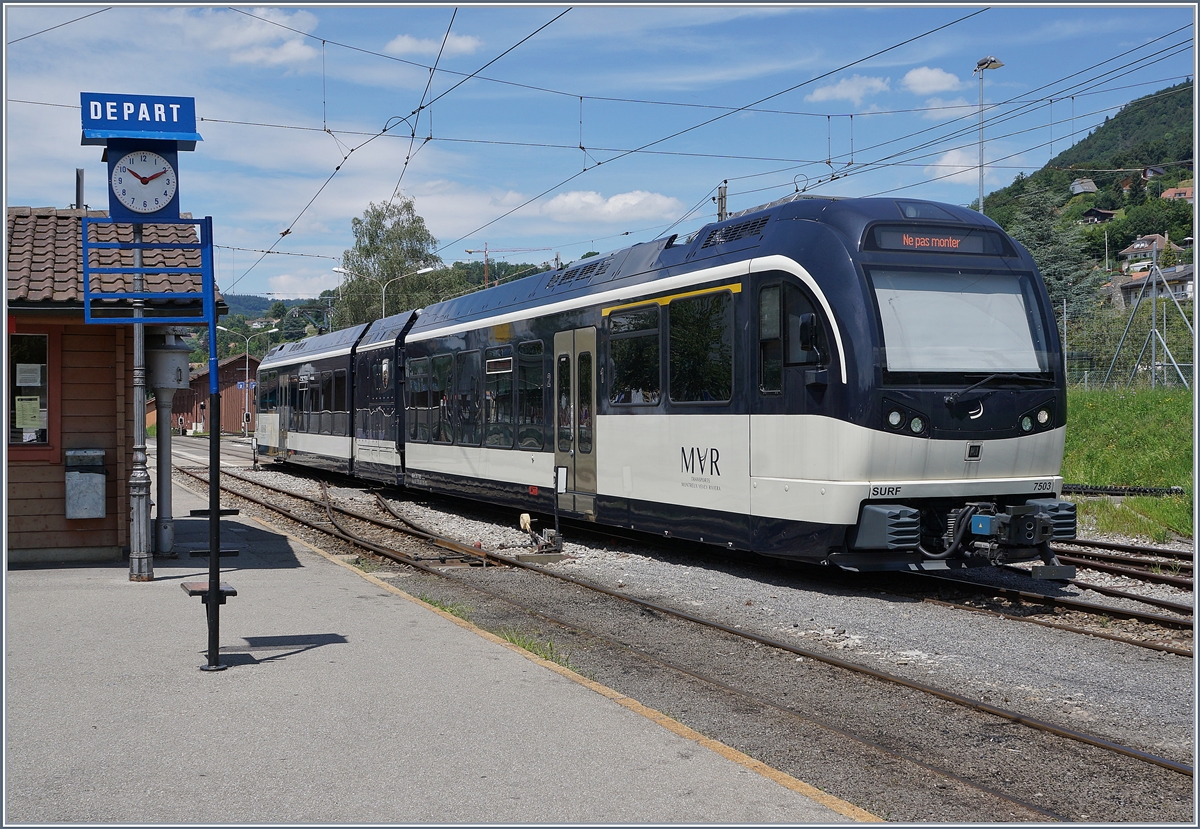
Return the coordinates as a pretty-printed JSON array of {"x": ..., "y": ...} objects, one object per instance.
[
  {"x": 731, "y": 233},
  {"x": 596, "y": 267}
]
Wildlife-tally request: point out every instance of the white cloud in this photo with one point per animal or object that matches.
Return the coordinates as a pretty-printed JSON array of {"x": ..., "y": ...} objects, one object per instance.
[
  {"x": 956, "y": 167},
  {"x": 854, "y": 88},
  {"x": 248, "y": 40},
  {"x": 925, "y": 80},
  {"x": 590, "y": 206},
  {"x": 942, "y": 110},
  {"x": 455, "y": 45}
]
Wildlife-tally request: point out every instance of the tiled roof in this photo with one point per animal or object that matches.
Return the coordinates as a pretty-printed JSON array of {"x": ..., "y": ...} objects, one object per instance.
[
  {"x": 45, "y": 253},
  {"x": 201, "y": 369}
]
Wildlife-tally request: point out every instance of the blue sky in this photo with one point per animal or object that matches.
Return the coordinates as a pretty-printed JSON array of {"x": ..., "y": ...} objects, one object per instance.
[{"x": 771, "y": 98}]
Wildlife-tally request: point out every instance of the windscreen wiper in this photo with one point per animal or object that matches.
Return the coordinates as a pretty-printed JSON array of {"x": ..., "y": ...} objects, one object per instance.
[{"x": 953, "y": 397}]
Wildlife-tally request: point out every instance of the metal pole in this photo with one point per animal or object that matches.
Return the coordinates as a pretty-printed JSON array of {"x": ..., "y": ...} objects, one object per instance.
[
  {"x": 164, "y": 524},
  {"x": 213, "y": 603},
  {"x": 1154, "y": 315},
  {"x": 246, "y": 394},
  {"x": 141, "y": 560},
  {"x": 981, "y": 139}
]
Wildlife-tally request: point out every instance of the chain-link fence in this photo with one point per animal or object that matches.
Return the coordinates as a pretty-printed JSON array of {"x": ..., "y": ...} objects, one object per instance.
[{"x": 1148, "y": 343}]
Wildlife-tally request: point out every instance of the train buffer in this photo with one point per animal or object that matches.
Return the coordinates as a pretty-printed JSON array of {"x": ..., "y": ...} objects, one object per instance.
[{"x": 200, "y": 588}]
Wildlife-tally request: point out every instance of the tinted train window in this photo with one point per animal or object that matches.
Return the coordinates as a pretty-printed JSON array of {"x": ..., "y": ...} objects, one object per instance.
[
  {"x": 531, "y": 401},
  {"x": 633, "y": 350},
  {"x": 418, "y": 400},
  {"x": 440, "y": 426},
  {"x": 701, "y": 348},
  {"x": 790, "y": 332},
  {"x": 564, "y": 403},
  {"x": 585, "y": 403},
  {"x": 498, "y": 398},
  {"x": 466, "y": 398}
]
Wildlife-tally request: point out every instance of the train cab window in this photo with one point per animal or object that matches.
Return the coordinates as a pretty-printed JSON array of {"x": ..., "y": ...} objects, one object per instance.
[
  {"x": 469, "y": 413},
  {"x": 386, "y": 375},
  {"x": 790, "y": 332},
  {"x": 701, "y": 348},
  {"x": 418, "y": 400},
  {"x": 440, "y": 427},
  {"x": 531, "y": 401},
  {"x": 634, "y": 353},
  {"x": 498, "y": 398}
]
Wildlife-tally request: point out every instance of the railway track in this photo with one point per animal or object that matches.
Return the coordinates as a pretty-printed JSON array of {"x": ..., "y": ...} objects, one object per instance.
[{"x": 419, "y": 548}]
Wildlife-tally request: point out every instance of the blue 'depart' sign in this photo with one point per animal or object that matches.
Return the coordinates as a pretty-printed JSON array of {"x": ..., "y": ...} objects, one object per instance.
[{"x": 148, "y": 117}]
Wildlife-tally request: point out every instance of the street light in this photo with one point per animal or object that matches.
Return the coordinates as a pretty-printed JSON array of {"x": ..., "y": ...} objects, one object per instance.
[
  {"x": 383, "y": 304},
  {"x": 984, "y": 63},
  {"x": 246, "y": 388}
]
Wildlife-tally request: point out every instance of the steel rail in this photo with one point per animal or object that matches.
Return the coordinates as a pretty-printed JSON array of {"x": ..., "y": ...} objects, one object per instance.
[
  {"x": 978, "y": 705},
  {"x": 1134, "y": 561},
  {"x": 1070, "y": 628},
  {"x": 1071, "y": 604},
  {"x": 1124, "y": 548},
  {"x": 1131, "y": 572}
]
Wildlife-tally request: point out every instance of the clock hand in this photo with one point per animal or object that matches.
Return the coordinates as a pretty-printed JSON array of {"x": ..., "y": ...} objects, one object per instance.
[
  {"x": 153, "y": 177},
  {"x": 140, "y": 178}
]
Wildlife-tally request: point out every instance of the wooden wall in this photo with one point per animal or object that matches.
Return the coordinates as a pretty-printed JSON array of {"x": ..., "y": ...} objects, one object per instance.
[{"x": 94, "y": 377}]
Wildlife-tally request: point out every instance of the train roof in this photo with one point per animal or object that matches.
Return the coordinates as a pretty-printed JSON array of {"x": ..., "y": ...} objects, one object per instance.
[
  {"x": 321, "y": 345},
  {"x": 735, "y": 239}
]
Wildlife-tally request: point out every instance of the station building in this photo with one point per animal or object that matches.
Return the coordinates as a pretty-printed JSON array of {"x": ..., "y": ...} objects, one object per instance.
[{"x": 70, "y": 384}]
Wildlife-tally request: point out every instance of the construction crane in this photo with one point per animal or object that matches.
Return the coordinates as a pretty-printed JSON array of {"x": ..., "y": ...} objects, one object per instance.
[{"x": 485, "y": 251}]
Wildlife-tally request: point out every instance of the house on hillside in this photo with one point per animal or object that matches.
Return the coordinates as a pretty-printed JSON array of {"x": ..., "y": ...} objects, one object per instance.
[
  {"x": 1096, "y": 216},
  {"x": 1180, "y": 282},
  {"x": 1082, "y": 185},
  {"x": 1144, "y": 250},
  {"x": 1179, "y": 193}
]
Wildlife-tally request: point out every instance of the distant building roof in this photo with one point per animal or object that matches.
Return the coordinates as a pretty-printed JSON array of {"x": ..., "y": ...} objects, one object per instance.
[
  {"x": 1185, "y": 193},
  {"x": 1145, "y": 245},
  {"x": 1083, "y": 185},
  {"x": 45, "y": 257},
  {"x": 1095, "y": 215}
]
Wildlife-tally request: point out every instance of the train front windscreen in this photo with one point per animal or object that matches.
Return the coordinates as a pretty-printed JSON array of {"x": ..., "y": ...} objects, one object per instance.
[{"x": 959, "y": 322}]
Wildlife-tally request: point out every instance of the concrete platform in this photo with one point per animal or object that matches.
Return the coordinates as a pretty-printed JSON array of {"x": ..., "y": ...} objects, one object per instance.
[{"x": 345, "y": 702}]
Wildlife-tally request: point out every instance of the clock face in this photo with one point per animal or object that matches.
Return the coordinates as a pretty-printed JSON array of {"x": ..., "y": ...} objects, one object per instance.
[{"x": 143, "y": 181}]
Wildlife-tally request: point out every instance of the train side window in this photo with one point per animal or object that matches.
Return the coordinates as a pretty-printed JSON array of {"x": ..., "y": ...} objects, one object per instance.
[
  {"x": 439, "y": 399},
  {"x": 770, "y": 344},
  {"x": 498, "y": 397},
  {"x": 806, "y": 341},
  {"x": 466, "y": 393},
  {"x": 701, "y": 348},
  {"x": 418, "y": 400},
  {"x": 564, "y": 403},
  {"x": 273, "y": 392},
  {"x": 584, "y": 414},
  {"x": 341, "y": 406},
  {"x": 531, "y": 399},
  {"x": 634, "y": 354},
  {"x": 325, "y": 424},
  {"x": 386, "y": 375}
]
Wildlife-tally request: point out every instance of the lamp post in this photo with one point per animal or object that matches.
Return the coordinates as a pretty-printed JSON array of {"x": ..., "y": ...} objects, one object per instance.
[
  {"x": 383, "y": 302},
  {"x": 246, "y": 388},
  {"x": 984, "y": 63}
]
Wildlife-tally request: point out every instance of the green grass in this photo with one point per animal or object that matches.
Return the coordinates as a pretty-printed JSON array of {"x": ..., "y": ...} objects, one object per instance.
[
  {"x": 1134, "y": 438},
  {"x": 152, "y": 430},
  {"x": 366, "y": 564},
  {"x": 462, "y": 611},
  {"x": 545, "y": 650}
]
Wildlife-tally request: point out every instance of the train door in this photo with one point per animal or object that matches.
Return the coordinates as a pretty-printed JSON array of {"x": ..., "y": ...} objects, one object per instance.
[{"x": 575, "y": 416}]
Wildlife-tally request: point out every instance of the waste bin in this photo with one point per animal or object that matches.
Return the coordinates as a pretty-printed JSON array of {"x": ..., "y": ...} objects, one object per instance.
[{"x": 86, "y": 477}]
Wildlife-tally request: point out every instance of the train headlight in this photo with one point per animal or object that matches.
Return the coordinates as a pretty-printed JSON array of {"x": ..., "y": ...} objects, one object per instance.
[
  {"x": 1043, "y": 417},
  {"x": 895, "y": 418},
  {"x": 917, "y": 425},
  {"x": 1026, "y": 424}
]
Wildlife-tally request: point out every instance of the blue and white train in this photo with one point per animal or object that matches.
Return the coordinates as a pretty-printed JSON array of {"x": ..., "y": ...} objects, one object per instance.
[{"x": 868, "y": 383}]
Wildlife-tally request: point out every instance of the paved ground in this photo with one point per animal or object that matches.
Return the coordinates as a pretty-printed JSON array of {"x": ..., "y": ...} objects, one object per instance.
[{"x": 344, "y": 702}]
